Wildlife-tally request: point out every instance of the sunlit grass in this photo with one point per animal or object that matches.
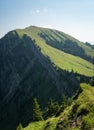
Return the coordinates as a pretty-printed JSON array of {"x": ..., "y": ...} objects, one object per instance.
[
  {"x": 59, "y": 58},
  {"x": 49, "y": 124}
]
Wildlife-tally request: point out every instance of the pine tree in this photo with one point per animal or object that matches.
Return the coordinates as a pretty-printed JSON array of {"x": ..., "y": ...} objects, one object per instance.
[
  {"x": 20, "y": 127},
  {"x": 64, "y": 104},
  {"x": 92, "y": 81},
  {"x": 52, "y": 108},
  {"x": 37, "y": 113}
]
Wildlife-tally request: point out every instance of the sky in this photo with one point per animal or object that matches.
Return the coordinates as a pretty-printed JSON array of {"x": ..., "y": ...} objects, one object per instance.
[{"x": 74, "y": 17}]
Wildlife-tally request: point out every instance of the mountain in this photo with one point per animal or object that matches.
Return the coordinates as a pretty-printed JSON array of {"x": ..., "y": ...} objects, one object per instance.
[
  {"x": 42, "y": 63},
  {"x": 60, "y": 41},
  {"x": 88, "y": 44}
]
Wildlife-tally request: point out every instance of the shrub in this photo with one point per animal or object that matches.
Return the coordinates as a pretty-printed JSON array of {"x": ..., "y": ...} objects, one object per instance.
[
  {"x": 82, "y": 110},
  {"x": 88, "y": 122},
  {"x": 92, "y": 81}
]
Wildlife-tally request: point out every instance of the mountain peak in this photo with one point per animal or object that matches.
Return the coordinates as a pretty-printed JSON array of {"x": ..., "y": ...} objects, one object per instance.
[{"x": 42, "y": 63}]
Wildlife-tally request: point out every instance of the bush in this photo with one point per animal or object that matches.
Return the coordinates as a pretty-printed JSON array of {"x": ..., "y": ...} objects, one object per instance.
[
  {"x": 88, "y": 122},
  {"x": 92, "y": 81},
  {"x": 83, "y": 110}
]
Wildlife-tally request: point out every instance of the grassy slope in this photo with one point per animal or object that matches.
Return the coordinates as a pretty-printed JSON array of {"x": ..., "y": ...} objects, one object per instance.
[
  {"x": 49, "y": 124},
  {"x": 37, "y": 30},
  {"x": 82, "y": 107},
  {"x": 84, "y": 102},
  {"x": 59, "y": 58}
]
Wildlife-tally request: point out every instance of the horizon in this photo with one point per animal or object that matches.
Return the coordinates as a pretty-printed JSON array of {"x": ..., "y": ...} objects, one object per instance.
[{"x": 72, "y": 17}]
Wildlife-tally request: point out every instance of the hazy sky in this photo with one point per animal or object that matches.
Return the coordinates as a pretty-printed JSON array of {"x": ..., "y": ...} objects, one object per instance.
[{"x": 75, "y": 17}]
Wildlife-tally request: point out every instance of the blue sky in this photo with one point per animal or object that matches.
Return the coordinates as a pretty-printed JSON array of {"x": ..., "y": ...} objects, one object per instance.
[{"x": 75, "y": 17}]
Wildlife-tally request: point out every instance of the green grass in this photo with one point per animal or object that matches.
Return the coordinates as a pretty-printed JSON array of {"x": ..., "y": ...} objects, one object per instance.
[
  {"x": 83, "y": 106},
  {"x": 35, "y": 126},
  {"x": 59, "y": 58},
  {"x": 86, "y": 102},
  {"x": 49, "y": 124},
  {"x": 34, "y": 31}
]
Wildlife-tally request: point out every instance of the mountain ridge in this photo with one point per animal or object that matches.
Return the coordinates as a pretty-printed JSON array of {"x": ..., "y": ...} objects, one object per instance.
[{"x": 30, "y": 68}]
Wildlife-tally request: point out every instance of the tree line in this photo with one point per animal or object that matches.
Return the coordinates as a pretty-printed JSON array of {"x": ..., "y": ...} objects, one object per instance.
[{"x": 52, "y": 109}]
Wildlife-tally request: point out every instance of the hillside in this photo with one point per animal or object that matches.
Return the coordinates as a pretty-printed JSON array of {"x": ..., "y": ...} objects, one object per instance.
[
  {"x": 59, "y": 40},
  {"x": 57, "y": 50},
  {"x": 39, "y": 62},
  {"x": 78, "y": 116}
]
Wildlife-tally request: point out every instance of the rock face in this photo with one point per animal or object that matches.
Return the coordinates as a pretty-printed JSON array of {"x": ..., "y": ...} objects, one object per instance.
[{"x": 26, "y": 73}]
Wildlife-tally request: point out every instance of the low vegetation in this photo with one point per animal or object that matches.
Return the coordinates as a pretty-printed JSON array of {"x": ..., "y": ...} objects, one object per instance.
[{"x": 78, "y": 116}]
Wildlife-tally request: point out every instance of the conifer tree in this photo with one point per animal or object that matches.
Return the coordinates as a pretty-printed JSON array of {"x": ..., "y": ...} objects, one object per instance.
[
  {"x": 37, "y": 113},
  {"x": 20, "y": 127},
  {"x": 92, "y": 81},
  {"x": 64, "y": 104},
  {"x": 52, "y": 108}
]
